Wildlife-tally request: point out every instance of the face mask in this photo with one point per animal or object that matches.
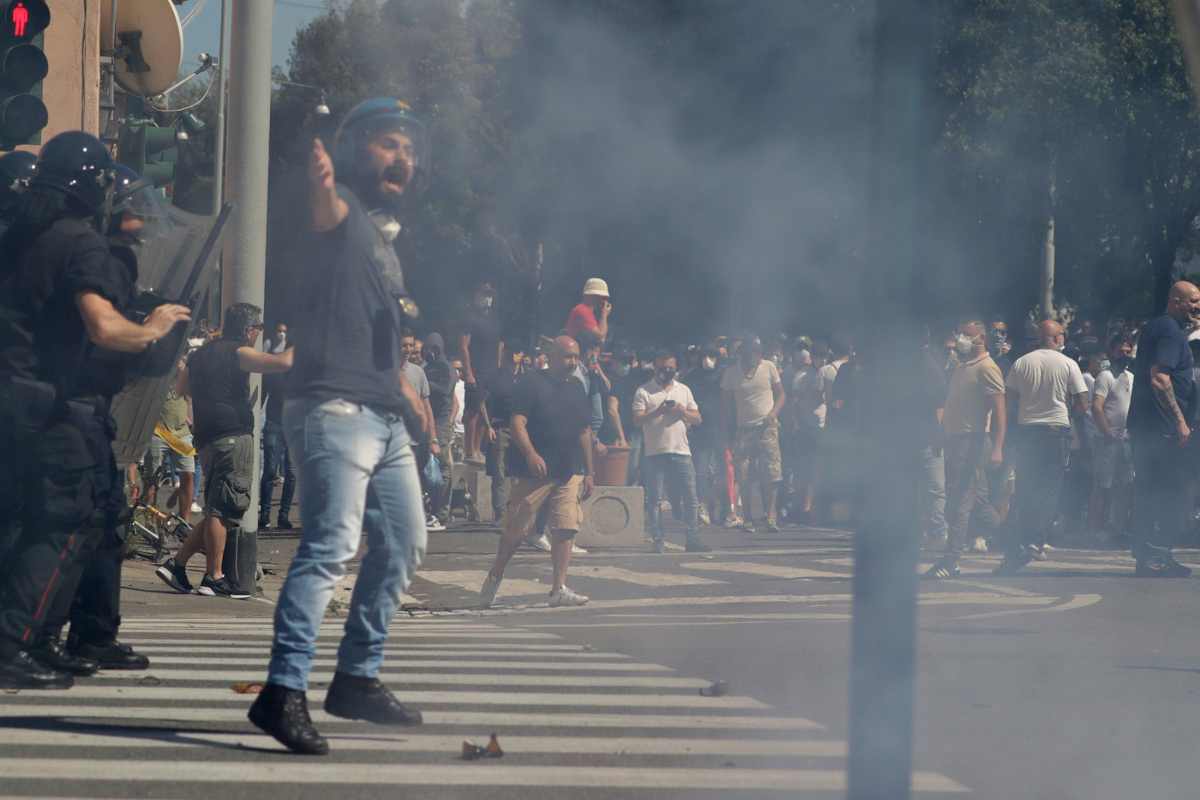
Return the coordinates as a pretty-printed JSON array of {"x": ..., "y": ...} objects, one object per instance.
[
  {"x": 1105, "y": 364},
  {"x": 964, "y": 345},
  {"x": 666, "y": 375},
  {"x": 710, "y": 362}
]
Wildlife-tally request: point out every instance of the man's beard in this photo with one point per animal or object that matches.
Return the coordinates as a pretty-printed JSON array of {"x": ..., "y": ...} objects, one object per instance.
[{"x": 370, "y": 188}]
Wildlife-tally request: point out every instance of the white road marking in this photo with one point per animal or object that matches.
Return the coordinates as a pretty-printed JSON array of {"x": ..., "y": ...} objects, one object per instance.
[
  {"x": 1076, "y": 602},
  {"x": 404, "y": 679},
  {"x": 343, "y": 774},
  {"x": 264, "y": 650},
  {"x": 402, "y": 743},
  {"x": 699, "y": 622},
  {"x": 569, "y": 699},
  {"x": 393, "y": 637},
  {"x": 468, "y": 719},
  {"x": 764, "y": 570},
  {"x": 642, "y": 578},
  {"x": 399, "y": 665}
]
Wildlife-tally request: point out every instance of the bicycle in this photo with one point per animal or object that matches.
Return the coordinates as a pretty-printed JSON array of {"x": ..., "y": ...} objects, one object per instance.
[{"x": 151, "y": 530}]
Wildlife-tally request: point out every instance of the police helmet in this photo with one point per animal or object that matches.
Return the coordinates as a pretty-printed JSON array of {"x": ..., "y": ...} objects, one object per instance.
[
  {"x": 78, "y": 165},
  {"x": 138, "y": 197},
  {"x": 16, "y": 170},
  {"x": 369, "y": 118}
]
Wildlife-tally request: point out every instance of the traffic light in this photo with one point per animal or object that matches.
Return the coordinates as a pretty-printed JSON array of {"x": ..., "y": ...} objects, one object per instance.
[
  {"x": 23, "y": 65},
  {"x": 148, "y": 150}
]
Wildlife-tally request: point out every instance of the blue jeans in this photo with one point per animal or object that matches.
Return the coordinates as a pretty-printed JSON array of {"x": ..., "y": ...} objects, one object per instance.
[
  {"x": 275, "y": 459},
  {"x": 359, "y": 473},
  {"x": 678, "y": 472}
]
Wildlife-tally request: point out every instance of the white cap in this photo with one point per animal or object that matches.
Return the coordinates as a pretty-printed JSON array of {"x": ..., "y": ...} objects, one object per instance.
[{"x": 596, "y": 287}]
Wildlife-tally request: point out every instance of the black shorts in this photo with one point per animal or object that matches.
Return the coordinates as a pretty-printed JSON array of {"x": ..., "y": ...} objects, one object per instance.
[{"x": 476, "y": 396}]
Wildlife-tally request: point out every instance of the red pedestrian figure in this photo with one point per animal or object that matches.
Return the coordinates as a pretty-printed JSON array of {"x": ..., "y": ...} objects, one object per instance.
[{"x": 20, "y": 18}]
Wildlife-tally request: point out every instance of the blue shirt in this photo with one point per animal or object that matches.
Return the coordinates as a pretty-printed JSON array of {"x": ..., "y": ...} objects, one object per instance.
[{"x": 1163, "y": 344}]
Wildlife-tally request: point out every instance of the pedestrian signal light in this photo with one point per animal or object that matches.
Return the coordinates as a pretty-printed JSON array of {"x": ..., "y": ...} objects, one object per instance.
[{"x": 23, "y": 66}]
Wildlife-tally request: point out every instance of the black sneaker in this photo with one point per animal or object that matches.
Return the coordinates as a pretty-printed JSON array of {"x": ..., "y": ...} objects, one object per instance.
[
  {"x": 1162, "y": 568},
  {"x": 221, "y": 587},
  {"x": 23, "y": 671},
  {"x": 284, "y": 524},
  {"x": 1013, "y": 562},
  {"x": 283, "y": 713},
  {"x": 174, "y": 576},
  {"x": 943, "y": 569},
  {"x": 51, "y": 653},
  {"x": 109, "y": 655},
  {"x": 353, "y": 697}
]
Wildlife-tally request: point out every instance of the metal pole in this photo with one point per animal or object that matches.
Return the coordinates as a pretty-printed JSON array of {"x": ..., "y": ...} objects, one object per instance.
[
  {"x": 219, "y": 134},
  {"x": 884, "y": 630},
  {"x": 243, "y": 279}
]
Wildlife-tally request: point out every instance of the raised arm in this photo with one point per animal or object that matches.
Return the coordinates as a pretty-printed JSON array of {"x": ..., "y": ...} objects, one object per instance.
[
  {"x": 251, "y": 360},
  {"x": 328, "y": 210}
]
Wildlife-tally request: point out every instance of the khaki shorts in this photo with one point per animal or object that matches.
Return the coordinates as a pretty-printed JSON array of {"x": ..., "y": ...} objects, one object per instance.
[
  {"x": 757, "y": 449},
  {"x": 534, "y": 499}
]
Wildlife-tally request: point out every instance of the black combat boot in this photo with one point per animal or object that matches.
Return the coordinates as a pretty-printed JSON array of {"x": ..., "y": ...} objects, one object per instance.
[
  {"x": 283, "y": 713},
  {"x": 109, "y": 655},
  {"x": 50, "y": 651},
  {"x": 20, "y": 670},
  {"x": 352, "y": 697}
]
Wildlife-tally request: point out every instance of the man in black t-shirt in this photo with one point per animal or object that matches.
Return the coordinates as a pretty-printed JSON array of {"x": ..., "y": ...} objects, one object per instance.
[
  {"x": 218, "y": 381},
  {"x": 1159, "y": 431},
  {"x": 551, "y": 456},
  {"x": 482, "y": 350}
]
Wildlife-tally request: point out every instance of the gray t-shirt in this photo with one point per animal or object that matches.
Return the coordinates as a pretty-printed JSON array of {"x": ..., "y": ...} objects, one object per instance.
[{"x": 416, "y": 376}]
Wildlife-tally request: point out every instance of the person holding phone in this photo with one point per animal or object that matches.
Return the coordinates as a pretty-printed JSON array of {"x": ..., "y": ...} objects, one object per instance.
[
  {"x": 664, "y": 409},
  {"x": 592, "y": 312}
]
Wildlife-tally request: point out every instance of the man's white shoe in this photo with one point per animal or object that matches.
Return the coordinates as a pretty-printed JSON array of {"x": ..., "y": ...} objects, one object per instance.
[
  {"x": 577, "y": 550},
  {"x": 434, "y": 524},
  {"x": 565, "y": 597},
  {"x": 540, "y": 543},
  {"x": 487, "y": 595}
]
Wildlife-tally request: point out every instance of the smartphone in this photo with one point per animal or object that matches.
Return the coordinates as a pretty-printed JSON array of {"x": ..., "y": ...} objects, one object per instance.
[{"x": 669, "y": 403}]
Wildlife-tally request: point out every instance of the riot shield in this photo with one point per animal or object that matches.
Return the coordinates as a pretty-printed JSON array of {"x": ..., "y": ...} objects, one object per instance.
[{"x": 179, "y": 266}]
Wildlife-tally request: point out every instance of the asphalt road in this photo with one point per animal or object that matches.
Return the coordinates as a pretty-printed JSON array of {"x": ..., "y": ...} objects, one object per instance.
[{"x": 1073, "y": 681}]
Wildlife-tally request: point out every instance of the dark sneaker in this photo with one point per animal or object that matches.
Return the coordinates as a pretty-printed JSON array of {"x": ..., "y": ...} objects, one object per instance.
[
  {"x": 221, "y": 587},
  {"x": 51, "y": 653},
  {"x": 697, "y": 546},
  {"x": 1013, "y": 562},
  {"x": 109, "y": 655},
  {"x": 284, "y": 524},
  {"x": 283, "y": 713},
  {"x": 943, "y": 569},
  {"x": 1162, "y": 568},
  {"x": 264, "y": 523},
  {"x": 352, "y": 697},
  {"x": 175, "y": 576},
  {"x": 22, "y": 671}
]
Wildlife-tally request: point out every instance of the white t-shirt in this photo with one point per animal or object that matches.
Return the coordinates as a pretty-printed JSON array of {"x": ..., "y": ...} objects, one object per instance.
[
  {"x": 460, "y": 392},
  {"x": 1115, "y": 392},
  {"x": 752, "y": 395},
  {"x": 658, "y": 435},
  {"x": 1045, "y": 381},
  {"x": 807, "y": 392}
]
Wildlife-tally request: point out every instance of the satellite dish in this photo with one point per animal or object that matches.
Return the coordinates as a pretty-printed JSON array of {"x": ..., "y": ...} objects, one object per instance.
[{"x": 148, "y": 44}]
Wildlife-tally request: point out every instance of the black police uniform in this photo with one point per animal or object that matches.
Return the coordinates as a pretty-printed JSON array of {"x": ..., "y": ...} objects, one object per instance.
[{"x": 60, "y": 429}]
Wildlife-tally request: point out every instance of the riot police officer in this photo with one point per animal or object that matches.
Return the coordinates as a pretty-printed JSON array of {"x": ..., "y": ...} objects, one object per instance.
[
  {"x": 62, "y": 292},
  {"x": 16, "y": 171}
]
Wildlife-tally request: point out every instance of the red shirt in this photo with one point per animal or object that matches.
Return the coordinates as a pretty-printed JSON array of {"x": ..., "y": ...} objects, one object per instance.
[{"x": 582, "y": 318}]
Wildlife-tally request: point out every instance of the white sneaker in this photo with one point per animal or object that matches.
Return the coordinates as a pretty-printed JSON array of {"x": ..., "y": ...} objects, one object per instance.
[
  {"x": 565, "y": 597},
  {"x": 487, "y": 594},
  {"x": 540, "y": 543},
  {"x": 434, "y": 524},
  {"x": 196, "y": 509},
  {"x": 980, "y": 545},
  {"x": 577, "y": 550}
]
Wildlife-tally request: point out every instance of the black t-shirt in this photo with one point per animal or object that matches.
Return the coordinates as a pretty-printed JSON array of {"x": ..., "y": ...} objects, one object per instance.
[
  {"x": 557, "y": 411},
  {"x": 442, "y": 380},
  {"x": 220, "y": 392},
  {"x": 41, "y": 331},
  {"x": 500, "y": 398},
  {"x": 275, "y": 388},
  {"x": 1163, "y": 343},
  {"x": 484, "y": 329},
  {"x": 343, "y": 314}
]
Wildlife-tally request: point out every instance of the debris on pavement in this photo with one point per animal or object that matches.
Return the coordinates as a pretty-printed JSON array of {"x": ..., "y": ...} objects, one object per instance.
[
  {"x": 149, "y": 680},
  {"x": 715, "y": 689},
  {"x": 473, "y": 752}
]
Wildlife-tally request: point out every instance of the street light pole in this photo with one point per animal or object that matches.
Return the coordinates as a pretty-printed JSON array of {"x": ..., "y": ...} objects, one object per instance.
[
  {"x": 222, "y": 86},
  {"x": 243, "y": 277}
]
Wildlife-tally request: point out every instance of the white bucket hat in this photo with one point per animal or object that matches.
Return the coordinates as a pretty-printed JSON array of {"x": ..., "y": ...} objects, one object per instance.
[{"x": 596, "y": 286}]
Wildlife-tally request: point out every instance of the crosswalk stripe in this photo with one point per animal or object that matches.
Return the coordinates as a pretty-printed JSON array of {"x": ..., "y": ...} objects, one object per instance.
[
  {"x": 643, "y": 577},
  {"x": 473, "y": 719},
  {"x": 405, "y": 678},
  {"x": 764, "y": 570},
  {"x": 407, "y": 743},
  {"x": 568, "y": 699},
  {"x": 392, "y": 664},
  {"x": 339, "y": 773},
  {"x": 406, "y": 651},
  {"x": 471, "y": 580},
  {"x": 396, "y": 634}
]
